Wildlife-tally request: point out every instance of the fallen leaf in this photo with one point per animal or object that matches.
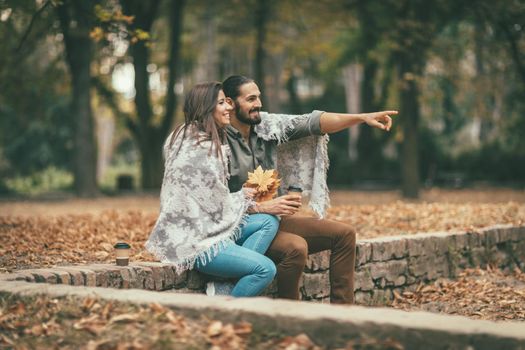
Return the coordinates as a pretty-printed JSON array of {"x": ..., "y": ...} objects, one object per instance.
[
  {"x": 125, "y": 318},
  {"x": 243, "y": 328},
  {"x": 214, "y": 329}
]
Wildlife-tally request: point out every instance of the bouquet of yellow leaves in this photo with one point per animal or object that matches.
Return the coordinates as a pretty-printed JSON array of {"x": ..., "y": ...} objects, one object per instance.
[{"x": 265, "y": 182}]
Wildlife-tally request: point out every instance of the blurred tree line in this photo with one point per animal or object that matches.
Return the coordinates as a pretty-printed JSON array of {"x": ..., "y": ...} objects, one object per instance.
[{"x": 454, "y": 69}]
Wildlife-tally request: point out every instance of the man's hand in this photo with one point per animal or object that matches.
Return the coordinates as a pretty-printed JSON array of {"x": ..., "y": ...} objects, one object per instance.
[
  {"x": 380, "y": 120},
  {"x": 288, "y": 204},
  {"x": 249, "y": 192}
]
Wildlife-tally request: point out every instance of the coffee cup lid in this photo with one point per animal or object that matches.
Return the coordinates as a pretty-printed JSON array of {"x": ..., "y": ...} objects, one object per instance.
[
  {"x": 122, "y": 245},
  {"x": 295, "y": 188}
]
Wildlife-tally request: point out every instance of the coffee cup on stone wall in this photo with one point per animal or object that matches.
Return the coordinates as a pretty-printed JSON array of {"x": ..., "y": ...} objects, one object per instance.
[{"x": 122, "y": 249}]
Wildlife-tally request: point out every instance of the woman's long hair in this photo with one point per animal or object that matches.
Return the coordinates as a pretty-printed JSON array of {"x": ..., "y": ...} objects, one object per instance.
[{"x": 199, "y": 106}]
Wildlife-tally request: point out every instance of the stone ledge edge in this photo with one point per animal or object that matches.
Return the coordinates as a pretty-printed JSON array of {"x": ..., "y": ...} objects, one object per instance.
[{"x": 327, "y": 325}]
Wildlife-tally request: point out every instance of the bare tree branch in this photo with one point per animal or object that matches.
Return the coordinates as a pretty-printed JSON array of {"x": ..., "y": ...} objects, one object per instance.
[{"x": 33, "y": 19}]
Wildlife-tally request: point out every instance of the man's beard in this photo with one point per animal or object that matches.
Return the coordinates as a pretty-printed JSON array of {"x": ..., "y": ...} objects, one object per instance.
[{"x": 245, "y": 117}]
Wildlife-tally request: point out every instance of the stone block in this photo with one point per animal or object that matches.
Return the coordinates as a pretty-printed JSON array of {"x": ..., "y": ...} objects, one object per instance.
[
  {"x": 114, "y": 274},
  {"x": 44, "y": 276},
  {"x": 461, "y": 241},
  {"x": 464, "y": 261},
  {"x": 145, "y": 276},
  {"x": 19, "y": 276},
  {"x": 517, "y": 233},
  {"x": 501, "y": 258},
  {"x": 77, "y": 278},
  {"x": 412, "y": 279},
  {"x": 387, "y": 273},
  {"x": 137, "y": 278},
  {"x": 318, "y": 262},
  {"x": 489, "y": 237},
  {"x": 362, "y": 298},
  {"x": 63, "y": 276},
  {"x": 417, "y": 246},
  {"x": 508, "y": 234},
  {"x": 428, "y": 268},
  {"x": 387, "y": 249},
  {"x": 155, "y": 270},
  {"x": 474, "y": 239},
  {"x": 157, "y": 274},
  {"x": 315, "y": 285},
  {"x": 196, "y": 280},
  {"x": 518, "y": 250},
  {"x": 125, "y": 276},
  {"x": 169, "y": 277},
  {"x": 363, "y": 253},
  {"x": 271, "y": 290},
  {"x": 442, "y": 242},
  {"x": 381, "y": 297},
  {"x": 479, "y": 256},
  {"x": 80, "y": 275},
  {"x": 101, "y": 274},
  {"x": 363, "y": 280},
  {"x": 181, "y": 279},
  {"x": 400, "y": 281},
  {"x": 141, "y": 275}
]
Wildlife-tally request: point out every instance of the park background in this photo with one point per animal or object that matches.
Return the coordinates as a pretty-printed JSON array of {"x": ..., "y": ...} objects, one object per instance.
[{"x": 90, "y": 89}]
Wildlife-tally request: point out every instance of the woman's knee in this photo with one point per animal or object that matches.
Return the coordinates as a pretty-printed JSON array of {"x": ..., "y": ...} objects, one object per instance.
[
  {"x": 271, "y": 223},
  {"x": 266, "y": 269}
]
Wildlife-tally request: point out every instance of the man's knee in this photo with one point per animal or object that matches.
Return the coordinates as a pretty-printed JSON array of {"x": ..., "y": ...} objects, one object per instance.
[
  {"x": 296, "y": 251},
  {"x": 346, "y": 236},
  {"x": 288, "y": 250}
]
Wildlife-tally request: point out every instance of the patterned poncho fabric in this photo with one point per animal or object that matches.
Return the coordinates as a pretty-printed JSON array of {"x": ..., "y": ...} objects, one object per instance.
[{"x": 199, "y": 216}]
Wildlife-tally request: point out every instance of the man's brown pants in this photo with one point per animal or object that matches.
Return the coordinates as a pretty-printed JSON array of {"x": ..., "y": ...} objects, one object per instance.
[{"x": 299, "y": 236}]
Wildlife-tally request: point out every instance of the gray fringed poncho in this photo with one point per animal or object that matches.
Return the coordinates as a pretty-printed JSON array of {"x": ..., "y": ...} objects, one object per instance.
[{"x": 199, "y": 216}]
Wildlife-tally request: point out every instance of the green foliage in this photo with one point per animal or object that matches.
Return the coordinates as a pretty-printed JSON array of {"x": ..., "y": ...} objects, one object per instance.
[
  {"x": 39, "y": 139},
  {"x": 50, "y": 179}
]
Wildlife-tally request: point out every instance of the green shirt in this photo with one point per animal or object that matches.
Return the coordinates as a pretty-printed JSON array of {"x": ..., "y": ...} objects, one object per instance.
[{"x": 246, "y": 157}]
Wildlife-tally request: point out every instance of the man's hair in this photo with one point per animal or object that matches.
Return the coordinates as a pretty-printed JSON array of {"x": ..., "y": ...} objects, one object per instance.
[{"x": 232, "y": 85}]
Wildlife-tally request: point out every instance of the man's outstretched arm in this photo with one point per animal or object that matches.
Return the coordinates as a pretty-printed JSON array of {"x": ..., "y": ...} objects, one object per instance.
[{"x": 334, "y": 122}]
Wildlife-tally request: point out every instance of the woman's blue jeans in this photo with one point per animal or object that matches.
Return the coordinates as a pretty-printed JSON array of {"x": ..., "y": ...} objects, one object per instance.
[{"x": 244, "y": 259}]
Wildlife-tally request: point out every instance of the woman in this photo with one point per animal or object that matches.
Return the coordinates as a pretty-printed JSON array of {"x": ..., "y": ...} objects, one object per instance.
[{"x": 201, "y": 224}]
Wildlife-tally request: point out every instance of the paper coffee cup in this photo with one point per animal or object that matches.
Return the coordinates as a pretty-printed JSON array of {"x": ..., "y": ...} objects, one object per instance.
[
  {"x": 122, "y": 250},
  {"x": 293, "y": 189}
]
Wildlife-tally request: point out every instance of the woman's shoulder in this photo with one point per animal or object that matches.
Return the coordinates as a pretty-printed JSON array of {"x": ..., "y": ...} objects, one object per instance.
[{"x": 186, "y": 140}]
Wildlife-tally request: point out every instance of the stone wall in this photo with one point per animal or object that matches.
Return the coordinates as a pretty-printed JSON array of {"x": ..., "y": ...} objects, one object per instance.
[
  {"x": 395, "y": 264},
  {"x": 383, "y": 266}
]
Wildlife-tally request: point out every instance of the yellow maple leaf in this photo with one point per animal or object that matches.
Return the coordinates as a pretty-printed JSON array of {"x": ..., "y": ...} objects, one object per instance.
[
  {"x": 265, "y": 182},
  {"x": 261, "y": 178}
]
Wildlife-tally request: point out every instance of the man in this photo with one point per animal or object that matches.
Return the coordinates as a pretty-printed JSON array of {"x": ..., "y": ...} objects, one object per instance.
[{"x": 298, "y": 236}]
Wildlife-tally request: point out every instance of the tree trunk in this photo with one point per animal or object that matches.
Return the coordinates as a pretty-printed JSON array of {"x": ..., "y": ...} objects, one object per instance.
[
  {"x": 145, "y": 14},
  {"x": 409, "y": 106},
  {"x": 368, "y": 146},
  {"x": 261, "y": 19},
  {"x": 79, "y": 51},
  {"x": 294, "y": 101},
  {"x": 353, "y": 78}
]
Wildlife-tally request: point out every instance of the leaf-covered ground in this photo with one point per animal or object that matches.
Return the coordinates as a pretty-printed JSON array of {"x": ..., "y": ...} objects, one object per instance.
[
  {"x": 91, "y": 324},
  {"x": 35, "y": 234},
  {"x": 46, "y": 233},
  {"x": 481, "y": 294}
]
